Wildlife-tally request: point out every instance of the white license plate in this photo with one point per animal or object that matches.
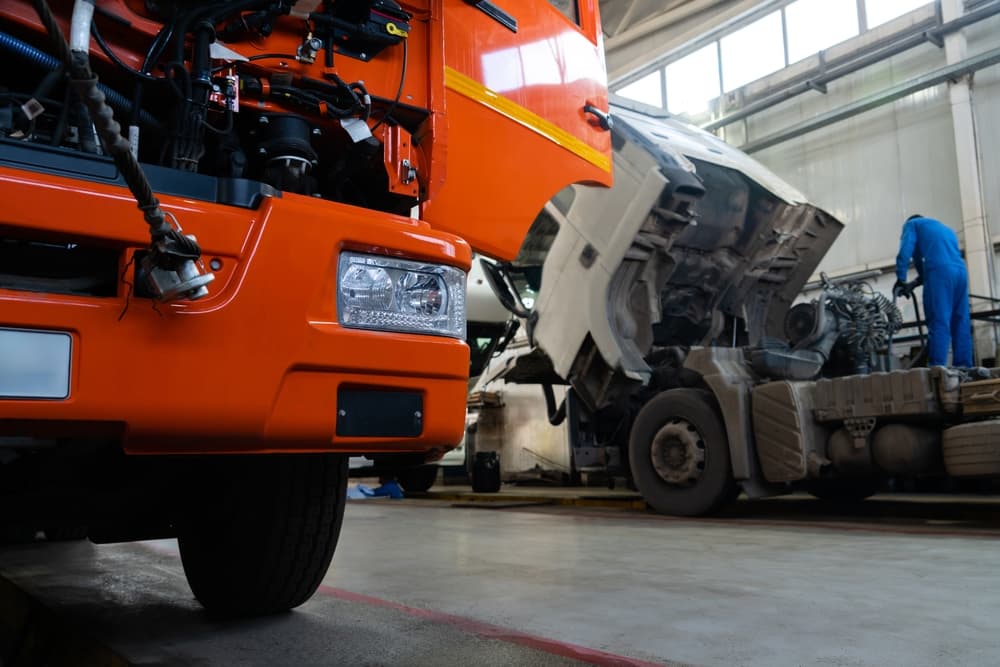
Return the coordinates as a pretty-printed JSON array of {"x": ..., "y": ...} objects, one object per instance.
[{"x": 34, "y": 364}]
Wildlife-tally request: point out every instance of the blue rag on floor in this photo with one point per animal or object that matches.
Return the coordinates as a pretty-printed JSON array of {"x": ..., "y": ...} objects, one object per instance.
[{"x": 387, "y": 490}]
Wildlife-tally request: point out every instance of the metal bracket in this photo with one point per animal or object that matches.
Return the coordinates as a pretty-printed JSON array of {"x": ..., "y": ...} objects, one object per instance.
[
  {"x": 409, "y": 172},
  {"x": 860, "y": 429},
  {"x": 817, "y": 86}
]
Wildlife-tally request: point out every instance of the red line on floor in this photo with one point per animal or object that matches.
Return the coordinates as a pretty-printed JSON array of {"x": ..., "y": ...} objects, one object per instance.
[
  {"x": 471, "y": 626},
  {"x": 490, "y": 631}
]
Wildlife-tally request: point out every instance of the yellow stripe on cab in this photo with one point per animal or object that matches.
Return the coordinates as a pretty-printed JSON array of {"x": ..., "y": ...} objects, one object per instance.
[{"x": 477, "y": 92}]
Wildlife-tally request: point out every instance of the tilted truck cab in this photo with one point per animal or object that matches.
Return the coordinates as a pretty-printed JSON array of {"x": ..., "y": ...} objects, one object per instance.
[
  {"x": 311, "y": 180},
  {"x": 665, "y": 305}
]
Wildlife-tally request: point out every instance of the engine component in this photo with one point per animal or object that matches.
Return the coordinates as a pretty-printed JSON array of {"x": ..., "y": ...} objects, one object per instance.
[
  {"x": 842, "y": 332},
  {"x": 774, "y": 359},
  {"x": 187, "y": 145},
  {"x": 362, "y": 28},
  {"x": 800, "y": 322},
  {"x": 865, "y": 319},
  {"x": 902, "y": 449},
  {"x": 309, "y": 49},
  {"x": 848, "y": 458},
  {"x": 287, "y": 150},
  {"x": 191, "y": 94}
]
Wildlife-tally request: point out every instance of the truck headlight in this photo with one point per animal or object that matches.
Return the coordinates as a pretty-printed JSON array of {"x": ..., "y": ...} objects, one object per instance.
[{"x": 388, "y": 294}]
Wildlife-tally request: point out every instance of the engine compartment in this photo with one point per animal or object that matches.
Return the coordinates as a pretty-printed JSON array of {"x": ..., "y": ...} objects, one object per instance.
[{"x": 307, "y": 98}]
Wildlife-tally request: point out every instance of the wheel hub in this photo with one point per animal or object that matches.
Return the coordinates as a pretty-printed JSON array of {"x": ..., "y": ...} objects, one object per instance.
[{"x": 678, "y": 453}]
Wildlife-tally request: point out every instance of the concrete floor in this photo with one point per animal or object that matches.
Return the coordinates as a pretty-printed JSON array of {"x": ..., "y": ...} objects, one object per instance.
[{"x": 424, "y": 583}]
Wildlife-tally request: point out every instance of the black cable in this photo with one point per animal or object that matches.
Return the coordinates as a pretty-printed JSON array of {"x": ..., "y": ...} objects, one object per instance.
[
  {"x": 399, "y": 93},
  {"x": 153, "y": 54},
  {"x": 266, "y": 56},
  {"x": 170, "y": 69},
  {"x": 230, "y": 123},
  {"x": 349, "y": 89},
  {"x": 60, "y": 130},
  {"x": 54, "y": 31},
  {"x": 49, "y": 81},
  {"x": 158, "y": 45},
  {"x": 214, "y": 14},
  {"x": 118, "y": 61},
  {"x": 364, "y": 100},
  {"x": 261, "y": 56}
]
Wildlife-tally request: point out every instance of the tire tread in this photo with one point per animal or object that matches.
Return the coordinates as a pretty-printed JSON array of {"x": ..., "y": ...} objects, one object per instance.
[{"x": 271, "y": 546}]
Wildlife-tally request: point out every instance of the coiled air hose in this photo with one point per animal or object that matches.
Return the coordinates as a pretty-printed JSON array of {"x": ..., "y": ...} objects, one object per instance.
[{"x": 173, "y": 257}]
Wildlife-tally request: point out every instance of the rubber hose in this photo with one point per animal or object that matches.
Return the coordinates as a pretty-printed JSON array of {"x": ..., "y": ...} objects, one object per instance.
[
  {"x": 28, "y": 53},
  {"x": 556, "y": 415}
]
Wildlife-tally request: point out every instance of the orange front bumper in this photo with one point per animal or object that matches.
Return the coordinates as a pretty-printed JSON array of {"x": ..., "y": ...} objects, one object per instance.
[{"x": 254, "y": 367}]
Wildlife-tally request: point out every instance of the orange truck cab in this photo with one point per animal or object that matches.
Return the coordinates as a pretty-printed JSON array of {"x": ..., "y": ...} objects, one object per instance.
[{"x": 233, "y": 250}]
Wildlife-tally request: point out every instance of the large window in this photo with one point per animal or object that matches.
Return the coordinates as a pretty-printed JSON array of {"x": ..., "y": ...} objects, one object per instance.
[
  {"x": 814, "y": 25},
  {"x": 752, "y": 52},
  {"x": 880, "y": 11},
  {"x": 648, "y": 90},
  {"x": 693, "y": 81},
  {"x": 785, "y": 36}
]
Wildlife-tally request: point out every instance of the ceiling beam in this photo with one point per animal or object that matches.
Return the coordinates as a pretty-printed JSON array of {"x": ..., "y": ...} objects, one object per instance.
[{"x": 626, "y": 17}]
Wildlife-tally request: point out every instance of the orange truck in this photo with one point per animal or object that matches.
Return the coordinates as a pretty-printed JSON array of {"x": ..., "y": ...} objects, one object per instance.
[{"x": 233, "y": 250}]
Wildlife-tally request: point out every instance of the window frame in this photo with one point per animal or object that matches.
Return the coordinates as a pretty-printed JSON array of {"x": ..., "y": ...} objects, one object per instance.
[{"x": 576, "y": 10}]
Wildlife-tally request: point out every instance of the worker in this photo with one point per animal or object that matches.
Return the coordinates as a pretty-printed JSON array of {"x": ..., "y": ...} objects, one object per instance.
[{"x": 933, "y": 246}]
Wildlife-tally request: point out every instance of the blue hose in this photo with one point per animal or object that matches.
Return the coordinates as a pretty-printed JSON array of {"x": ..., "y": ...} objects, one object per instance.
[{"x": 27, "y": 52}]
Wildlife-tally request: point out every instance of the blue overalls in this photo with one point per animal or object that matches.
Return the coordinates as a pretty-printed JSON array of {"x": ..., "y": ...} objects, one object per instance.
[{"x": 934, "y": 249}]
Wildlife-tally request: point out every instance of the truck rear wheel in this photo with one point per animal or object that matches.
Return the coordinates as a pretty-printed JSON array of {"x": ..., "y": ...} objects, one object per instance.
[
  {"x": 679, "y": 454},
  {"x": 262, "y": 536}
]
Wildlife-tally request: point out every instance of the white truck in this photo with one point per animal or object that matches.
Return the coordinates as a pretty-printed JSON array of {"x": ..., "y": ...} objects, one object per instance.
[{"x": 666, "y": 307}]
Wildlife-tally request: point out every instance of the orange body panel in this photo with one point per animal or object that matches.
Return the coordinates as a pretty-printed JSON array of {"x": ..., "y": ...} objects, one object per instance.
[
  {"x": 256, "y": 366},
  {"x": 503, "y": 164}
]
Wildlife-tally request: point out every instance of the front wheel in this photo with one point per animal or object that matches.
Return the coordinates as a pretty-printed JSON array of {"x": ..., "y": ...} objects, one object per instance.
[
  {"x": 679, "y": 454},
  {"x": 262, "y": 535}
]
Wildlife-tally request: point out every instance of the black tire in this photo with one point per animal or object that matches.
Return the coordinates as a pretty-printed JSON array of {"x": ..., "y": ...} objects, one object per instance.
[
  {"x": 842, "y": 491},
  {"x": 709, "y": 484},
  {"x": 262, "y": 543},
  {"x": 486, "y": 472},
  {"x": 417, "y": 479}
]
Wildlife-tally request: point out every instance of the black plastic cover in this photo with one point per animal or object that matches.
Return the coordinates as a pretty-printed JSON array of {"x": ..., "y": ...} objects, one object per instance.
[
  {"x": 378, "y": 413},
  {"x": 240, "y": 192}
]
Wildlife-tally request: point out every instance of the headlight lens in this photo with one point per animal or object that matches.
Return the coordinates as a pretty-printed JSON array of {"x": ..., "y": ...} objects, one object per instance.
[{"x": 388, "y": 294}]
